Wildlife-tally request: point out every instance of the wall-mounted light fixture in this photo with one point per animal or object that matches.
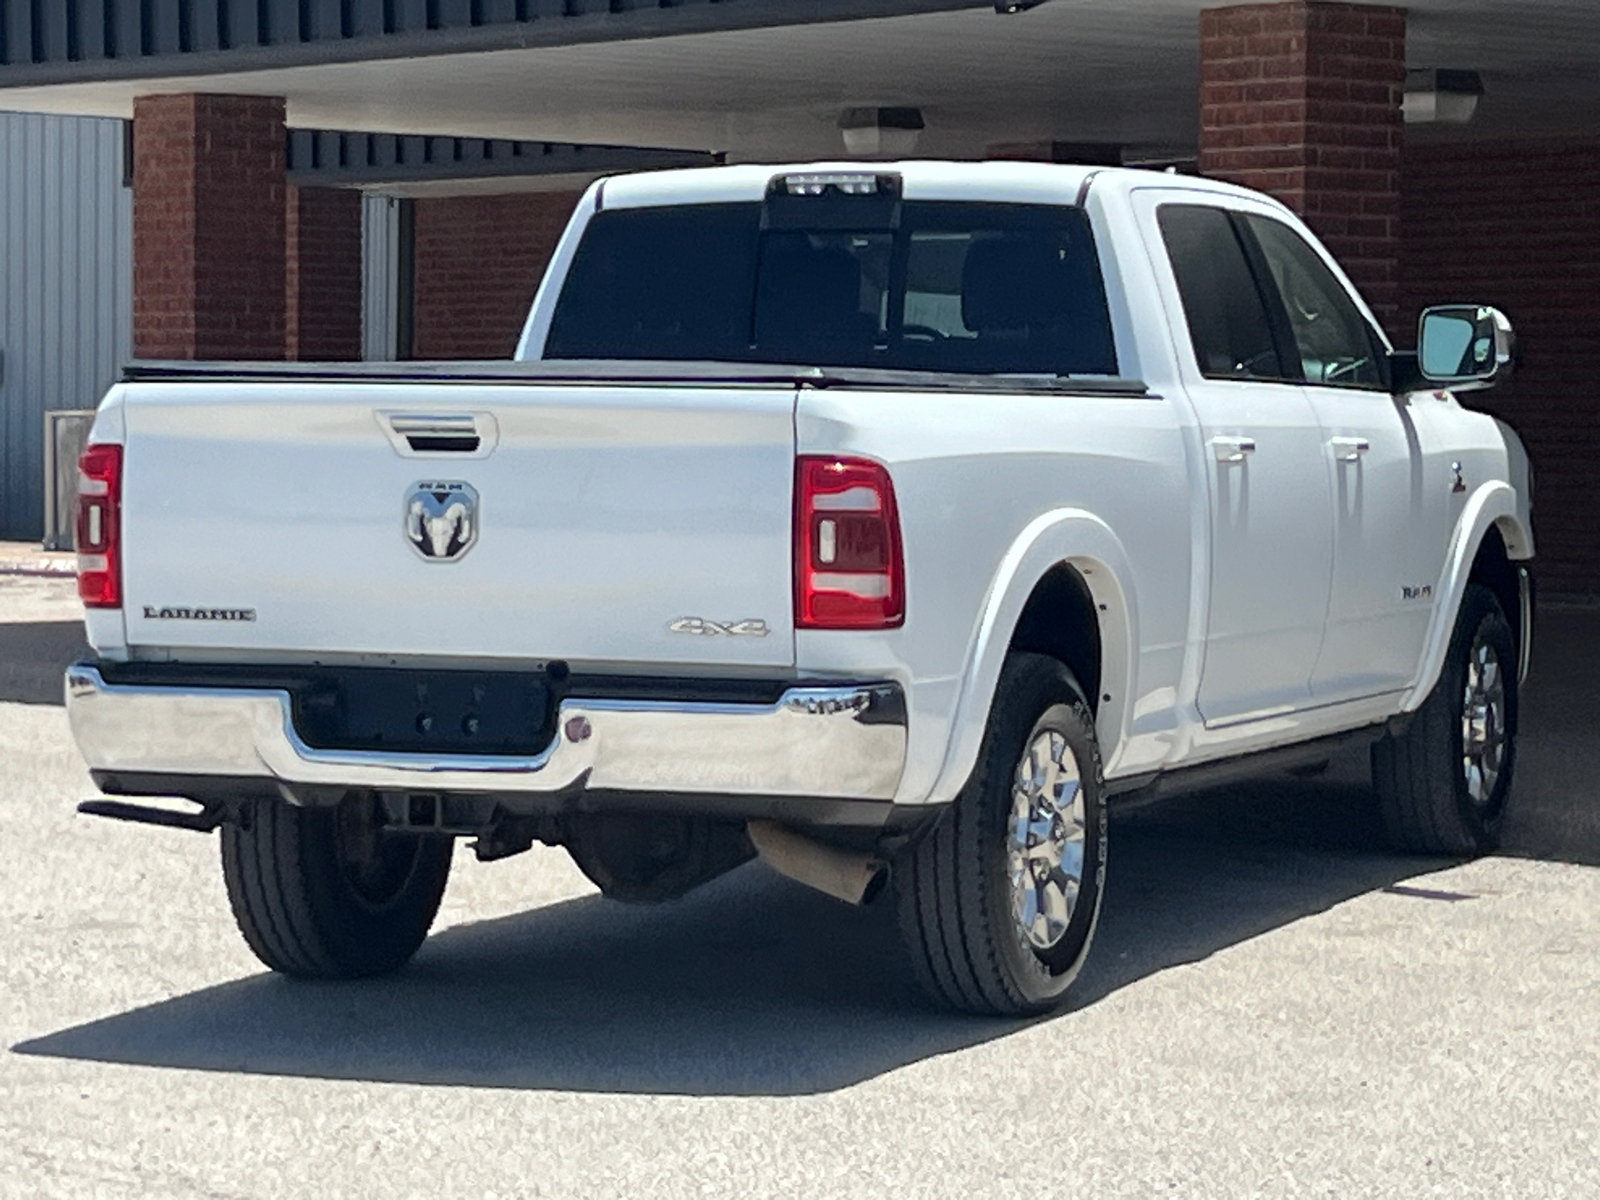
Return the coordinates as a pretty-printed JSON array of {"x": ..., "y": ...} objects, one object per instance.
[
  {"x": 1441, "y": 97},
  {"x": 881, "y": 132}
]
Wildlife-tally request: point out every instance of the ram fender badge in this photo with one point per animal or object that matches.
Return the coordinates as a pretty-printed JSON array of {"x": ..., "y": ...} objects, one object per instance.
[
  {"x": 441, "y": 519},
  {"x": 701, "y": 627}
]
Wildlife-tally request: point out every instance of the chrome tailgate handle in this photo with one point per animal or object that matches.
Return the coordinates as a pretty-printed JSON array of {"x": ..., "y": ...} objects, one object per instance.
[{"x": 416, "y": 433}]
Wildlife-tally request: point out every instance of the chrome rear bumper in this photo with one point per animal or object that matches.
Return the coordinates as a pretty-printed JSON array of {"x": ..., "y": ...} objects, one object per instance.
[{"x": 846, "y": 742}]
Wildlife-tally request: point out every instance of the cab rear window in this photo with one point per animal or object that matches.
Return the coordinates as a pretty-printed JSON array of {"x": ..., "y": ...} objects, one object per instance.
[{"x": 979, "y": 288}]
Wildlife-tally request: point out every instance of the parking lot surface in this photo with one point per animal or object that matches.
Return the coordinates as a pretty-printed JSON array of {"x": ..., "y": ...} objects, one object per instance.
[{"x": 1276, "y": 1006}]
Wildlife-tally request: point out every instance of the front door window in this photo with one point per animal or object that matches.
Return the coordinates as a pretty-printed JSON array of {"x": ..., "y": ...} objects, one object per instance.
[{"x": 1335, "y": 343}]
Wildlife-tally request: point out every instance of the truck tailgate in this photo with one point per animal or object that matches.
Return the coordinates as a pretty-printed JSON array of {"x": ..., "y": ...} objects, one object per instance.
[{"x": 296, "y": 518}]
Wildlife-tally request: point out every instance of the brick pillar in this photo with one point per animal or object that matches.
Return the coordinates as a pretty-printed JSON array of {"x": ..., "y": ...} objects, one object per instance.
[
  {"x": 477, "y": 260},
  {"x": 1302, "y": 100},
  {"x": 322, "y": 274},
  {"x": 208, "y": 227}
]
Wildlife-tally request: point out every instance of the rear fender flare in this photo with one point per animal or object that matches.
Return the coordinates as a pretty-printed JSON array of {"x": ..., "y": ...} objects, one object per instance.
[
  {"x": 1493, "y": 504},
  {"x": 1085, "y": 542}
]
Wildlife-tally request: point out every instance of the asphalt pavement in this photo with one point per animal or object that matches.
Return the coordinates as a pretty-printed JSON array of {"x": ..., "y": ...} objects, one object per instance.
[{"x": 1276, "y": 1006}]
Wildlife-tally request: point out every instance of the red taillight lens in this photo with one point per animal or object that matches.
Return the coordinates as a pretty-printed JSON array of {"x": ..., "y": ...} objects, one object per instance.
[
  {"x": 100, "y": 527},
  {"x": 848, "y": 569}
]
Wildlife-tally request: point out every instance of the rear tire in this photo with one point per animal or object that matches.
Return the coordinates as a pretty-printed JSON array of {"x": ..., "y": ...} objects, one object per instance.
[
  {"x": 998, "y": 901},
  {"x": 326, "y": 893},
  {"x": 1443, "y": 785}
]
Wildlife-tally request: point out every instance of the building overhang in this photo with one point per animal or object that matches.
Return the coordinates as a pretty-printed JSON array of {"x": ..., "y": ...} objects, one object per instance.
[
  {"x": 66, "y": 41},
  {"x": 756, "y": 79}
]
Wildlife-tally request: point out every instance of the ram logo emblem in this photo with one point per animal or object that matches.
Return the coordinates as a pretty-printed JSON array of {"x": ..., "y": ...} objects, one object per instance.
[{"x": 441, "y": 519}]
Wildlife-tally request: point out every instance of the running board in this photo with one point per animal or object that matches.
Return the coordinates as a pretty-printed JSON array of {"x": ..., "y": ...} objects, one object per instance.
[
  {"x": 1141, "y": 789},
  {"x": 204, "y": 821}
]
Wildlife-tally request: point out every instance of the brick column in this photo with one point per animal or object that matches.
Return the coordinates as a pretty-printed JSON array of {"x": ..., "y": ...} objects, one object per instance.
[
  {"x": 1302, "y": 100},
  {"x": 477, "y": 262},
  {"x": 208, "y": 227},
  {"x": 323, "y": 274}
]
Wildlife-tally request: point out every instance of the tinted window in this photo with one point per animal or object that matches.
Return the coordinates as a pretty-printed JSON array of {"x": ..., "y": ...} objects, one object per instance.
[
  {"x": 666, "y": 283},
  {"x": 1335, "y": 343},
  {"x": 822, "y": 297},
  {"x": 1227, "y": 317},
  {"x": 1004, "y": 290},
  {"x": 983, "y": 288}
]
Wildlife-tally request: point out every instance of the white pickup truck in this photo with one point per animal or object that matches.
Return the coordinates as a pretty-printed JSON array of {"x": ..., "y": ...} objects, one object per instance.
[{"x": 884, "y": 520}]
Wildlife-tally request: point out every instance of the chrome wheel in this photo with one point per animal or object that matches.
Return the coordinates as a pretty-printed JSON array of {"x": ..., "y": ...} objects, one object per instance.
[
  {"x": 1046, "y": 842},
  {"x": 1483, "y": 720}
]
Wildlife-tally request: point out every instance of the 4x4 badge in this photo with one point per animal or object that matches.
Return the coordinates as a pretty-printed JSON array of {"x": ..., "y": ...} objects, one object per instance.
[
  {"x": 441, "y": 519},
  {"x": 701, "y": 627}
]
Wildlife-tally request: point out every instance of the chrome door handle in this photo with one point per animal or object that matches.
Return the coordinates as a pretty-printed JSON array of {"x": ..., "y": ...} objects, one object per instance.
[
  {"x": 1232, "y": 449},
  {"x": 1349, "y": 449}
]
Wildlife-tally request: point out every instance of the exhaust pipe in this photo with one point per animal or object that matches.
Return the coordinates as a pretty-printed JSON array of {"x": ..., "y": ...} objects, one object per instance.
[{"x": 851, "y": 876}]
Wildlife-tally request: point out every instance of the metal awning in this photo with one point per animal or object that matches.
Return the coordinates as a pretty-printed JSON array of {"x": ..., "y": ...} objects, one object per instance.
[
  {"x": 762, "y": 80},
  {"x": 63, "y": 41}
]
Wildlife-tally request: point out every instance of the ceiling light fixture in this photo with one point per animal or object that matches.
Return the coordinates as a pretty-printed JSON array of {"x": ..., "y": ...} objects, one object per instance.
[
  {"x": 881, "y": 132},
  {"x": 1441, "y": 97},
  {"x": 1015, "y": 6}
]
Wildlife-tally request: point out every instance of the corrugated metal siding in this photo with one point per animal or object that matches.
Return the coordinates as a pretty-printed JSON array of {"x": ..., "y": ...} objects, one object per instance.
[
  {"x": 66, "y": 289},
  {"x": 53, "y": 41},
  {"x": 380, "y": 282},
  {"x": 340, "y": 158}
]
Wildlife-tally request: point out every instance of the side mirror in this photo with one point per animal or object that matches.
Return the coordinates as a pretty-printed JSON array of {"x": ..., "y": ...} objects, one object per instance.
[{"x": 1465, "y": 346}]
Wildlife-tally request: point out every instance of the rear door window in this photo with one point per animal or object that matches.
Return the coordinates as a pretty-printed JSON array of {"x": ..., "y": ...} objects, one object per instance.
[
  {"x": 1224, "y": 309},
  {"x": 980, "y": 288}
]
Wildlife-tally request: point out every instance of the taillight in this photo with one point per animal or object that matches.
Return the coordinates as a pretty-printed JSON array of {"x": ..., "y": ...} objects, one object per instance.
[
  {"x": 100, "y": 527},
  {"x": 848, "y": 569}
]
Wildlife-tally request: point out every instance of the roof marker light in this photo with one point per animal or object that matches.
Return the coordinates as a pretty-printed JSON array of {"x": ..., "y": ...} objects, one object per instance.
[{"x": 818, "y": 184}]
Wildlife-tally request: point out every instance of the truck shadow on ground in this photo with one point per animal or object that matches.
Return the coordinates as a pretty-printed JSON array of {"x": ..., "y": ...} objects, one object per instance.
[
  {"x": 33, "y": 657},
  {"x": 752, "y": 985}
]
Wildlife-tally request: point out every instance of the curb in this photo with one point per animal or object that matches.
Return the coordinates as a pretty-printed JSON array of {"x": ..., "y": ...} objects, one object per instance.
[{"x": 49, "y": 568}]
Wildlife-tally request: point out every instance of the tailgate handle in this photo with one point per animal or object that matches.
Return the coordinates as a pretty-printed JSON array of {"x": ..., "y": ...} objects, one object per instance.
[{"x": 425, "y": 433}]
